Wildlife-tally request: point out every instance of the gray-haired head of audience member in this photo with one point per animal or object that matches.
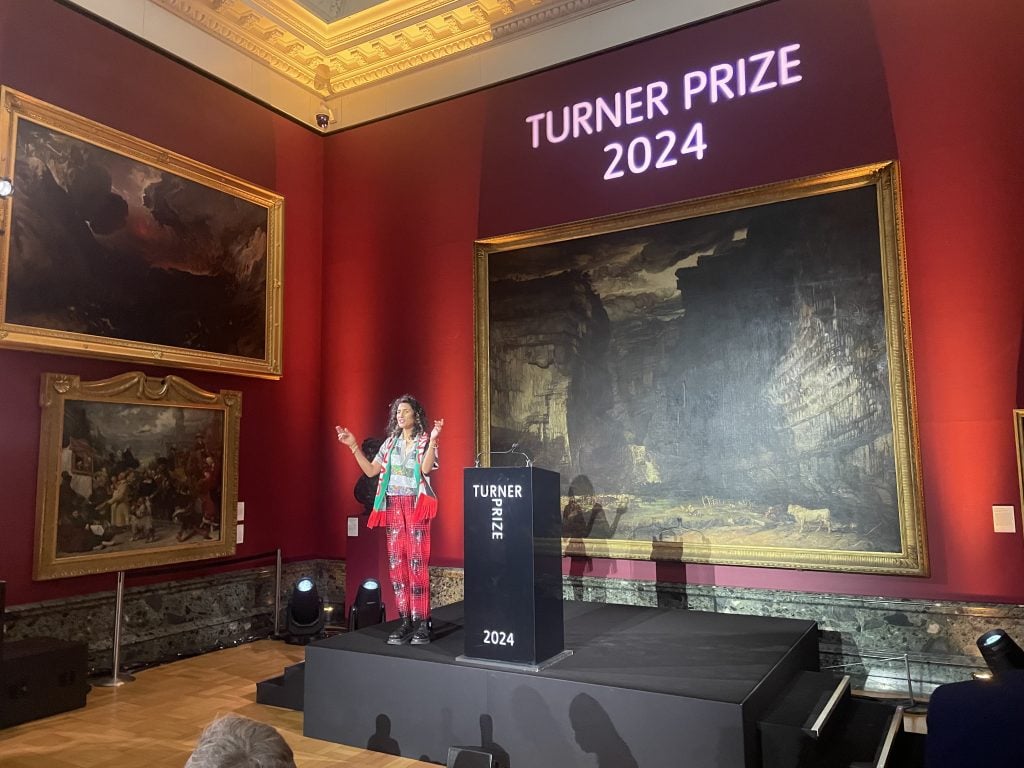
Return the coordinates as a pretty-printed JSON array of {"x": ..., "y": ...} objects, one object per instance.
[{"x": 234, "y": 741}]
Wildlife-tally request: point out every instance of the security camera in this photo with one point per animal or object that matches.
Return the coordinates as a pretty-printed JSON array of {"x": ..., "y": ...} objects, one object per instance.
[{"x": 324, "y": 116}]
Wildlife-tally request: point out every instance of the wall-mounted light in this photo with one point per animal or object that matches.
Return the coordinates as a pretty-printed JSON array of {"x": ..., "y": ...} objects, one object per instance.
[{"x": 6, "y": 190}]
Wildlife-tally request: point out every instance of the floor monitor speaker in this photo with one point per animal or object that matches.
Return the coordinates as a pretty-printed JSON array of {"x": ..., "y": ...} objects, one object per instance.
[
  {"x": 469, "y": 757},
  {"x": 41, "y": 677},
  {"x": 3, "y": 625}
]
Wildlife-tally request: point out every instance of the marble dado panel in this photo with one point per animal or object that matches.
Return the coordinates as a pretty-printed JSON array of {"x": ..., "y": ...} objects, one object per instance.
[
  {"x": 170, "y": 620},
  {"x": 874, "y": 640},
  {"x": 867, "y": 636},
  {"x": 445, "y": 586}
]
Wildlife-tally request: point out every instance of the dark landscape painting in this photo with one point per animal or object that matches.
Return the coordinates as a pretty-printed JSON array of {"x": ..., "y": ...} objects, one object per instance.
[
  {"x": 719, "y": 387},
  {"x": 108, "y": 246},
  {"x": 115, "y": 247}
]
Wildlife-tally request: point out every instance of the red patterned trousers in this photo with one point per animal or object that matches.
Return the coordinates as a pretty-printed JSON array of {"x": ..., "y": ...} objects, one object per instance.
[{"x": 408, "y": 556}]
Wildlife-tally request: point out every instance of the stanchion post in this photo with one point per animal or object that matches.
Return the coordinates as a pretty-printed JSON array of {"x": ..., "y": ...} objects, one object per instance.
[
  {"x": 277, "y": 597},
  {"x": 910, "y": 685},
  {"x": 117, "y": 678},
  {"x": 915, "y": 707}
]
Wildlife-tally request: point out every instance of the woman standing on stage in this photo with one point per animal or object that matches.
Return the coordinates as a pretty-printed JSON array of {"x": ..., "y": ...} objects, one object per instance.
[{"x": 405, "y": 504}]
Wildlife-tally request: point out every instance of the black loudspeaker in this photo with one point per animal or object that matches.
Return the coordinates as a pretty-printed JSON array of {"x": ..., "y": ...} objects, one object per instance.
[
  {"x": 3, "y": 625},
  {"x": 41, "y": 677},
  {"x": 470, "y": 757}
]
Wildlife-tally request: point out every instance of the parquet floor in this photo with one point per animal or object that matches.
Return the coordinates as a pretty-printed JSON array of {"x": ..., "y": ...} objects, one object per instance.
[{"x": 155, "y": 721}]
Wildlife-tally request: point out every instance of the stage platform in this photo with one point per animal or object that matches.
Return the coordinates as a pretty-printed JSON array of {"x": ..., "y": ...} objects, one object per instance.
[{"x": 644, "y": 687}]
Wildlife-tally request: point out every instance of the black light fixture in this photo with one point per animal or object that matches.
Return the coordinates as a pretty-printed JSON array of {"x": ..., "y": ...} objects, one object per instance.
[
  {"x": 1000, "y": 652},
  {"x": 305, "y": 612},
  {"x": 368, "y": 607},
  {"x": 6, "y": 188}
]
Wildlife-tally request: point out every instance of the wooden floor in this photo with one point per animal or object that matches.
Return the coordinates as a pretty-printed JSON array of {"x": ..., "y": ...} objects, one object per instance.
[{"x": 155, "y": 721}]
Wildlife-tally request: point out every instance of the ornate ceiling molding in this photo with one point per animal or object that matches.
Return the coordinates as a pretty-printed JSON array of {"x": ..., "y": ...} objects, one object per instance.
[
  {"x": 546, "y": 14},
  {"x": 387, "y": 39}
]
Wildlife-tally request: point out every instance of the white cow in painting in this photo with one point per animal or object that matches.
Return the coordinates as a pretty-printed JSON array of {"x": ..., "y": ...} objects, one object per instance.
[{"x": 803, "y": 516}]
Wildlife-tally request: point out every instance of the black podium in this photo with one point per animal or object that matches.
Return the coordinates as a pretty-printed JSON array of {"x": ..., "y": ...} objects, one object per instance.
[{"x": 513, "y": 568}]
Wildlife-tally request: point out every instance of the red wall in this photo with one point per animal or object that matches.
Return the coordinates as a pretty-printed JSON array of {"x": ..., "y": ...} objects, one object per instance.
[
  {"x": 398, "y": 292},
  {"x": 836, "y": 116},
  {"x": 935, "y": 88},
  {"x": 65, "y": 58},
  {"x": 380, "y": 222}
]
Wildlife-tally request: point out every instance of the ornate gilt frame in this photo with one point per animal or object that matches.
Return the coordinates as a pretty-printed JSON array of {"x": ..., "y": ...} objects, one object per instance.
[
  {"x": 912, "y": 556},
  {"x": 16, "y": 107},
  {"x": 129, "y": 393},
  {"x": 1018, "y": 434}
]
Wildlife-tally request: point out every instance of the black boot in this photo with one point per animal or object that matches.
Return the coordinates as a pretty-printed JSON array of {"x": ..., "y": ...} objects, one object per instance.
[
  {"x": 402, "y": 633},
  {"x": 422, "y": 635}
]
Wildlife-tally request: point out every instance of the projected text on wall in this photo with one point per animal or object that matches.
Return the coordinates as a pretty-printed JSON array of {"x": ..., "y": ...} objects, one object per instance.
[{"x": 641, "y": 106}]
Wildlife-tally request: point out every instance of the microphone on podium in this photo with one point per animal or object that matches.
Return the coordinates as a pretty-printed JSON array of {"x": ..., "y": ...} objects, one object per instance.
[{"x": 513, "y": 451}]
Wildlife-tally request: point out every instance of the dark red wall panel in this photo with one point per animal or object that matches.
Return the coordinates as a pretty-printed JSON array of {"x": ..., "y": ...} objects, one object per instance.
[
  {"x": 400, "y": 219},
  {"x": 835, "y": 116},
  {"x": 380, "y": 222},
  {"x": 888, "y": 79},
  {"x": 67, "y": 59}
]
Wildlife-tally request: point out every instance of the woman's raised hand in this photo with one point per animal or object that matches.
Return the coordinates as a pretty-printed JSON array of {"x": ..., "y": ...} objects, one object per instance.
[
  {"x": 438, "y": 426},
  {"x": 346, "y": 437}
]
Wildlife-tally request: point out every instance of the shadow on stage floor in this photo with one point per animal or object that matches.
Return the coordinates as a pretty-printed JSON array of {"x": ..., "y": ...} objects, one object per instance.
[{"x": 644, "y": 687}]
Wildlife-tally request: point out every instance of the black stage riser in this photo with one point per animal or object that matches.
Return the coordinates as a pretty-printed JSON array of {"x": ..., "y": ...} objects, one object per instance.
[
  {"x": 540, "y": 722},
  {"x": 419, "y": 702}
]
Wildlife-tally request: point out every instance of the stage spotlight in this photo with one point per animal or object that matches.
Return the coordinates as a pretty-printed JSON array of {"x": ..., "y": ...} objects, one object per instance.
[
  {"x": 368, "y": 607},
  {"x": 6, "y": 188},
  {"x": 305, "y": 612},
  {"x": 1001, "y": 653}
]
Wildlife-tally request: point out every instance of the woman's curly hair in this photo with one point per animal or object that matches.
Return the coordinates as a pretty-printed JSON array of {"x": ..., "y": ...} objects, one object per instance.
[{"x": 418, "y": 411}]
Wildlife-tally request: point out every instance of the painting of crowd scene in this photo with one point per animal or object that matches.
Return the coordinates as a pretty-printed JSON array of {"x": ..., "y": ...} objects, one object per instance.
[
  {"x": 136, "y": 480},
  {"x": 137, "y": 477}
]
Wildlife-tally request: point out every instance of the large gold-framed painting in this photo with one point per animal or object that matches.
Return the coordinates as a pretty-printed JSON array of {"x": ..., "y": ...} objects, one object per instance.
[
  {"x": 134, "y": 472},
  {"x": 727, "y": 380},
  {"x": 113, "y": 247}
]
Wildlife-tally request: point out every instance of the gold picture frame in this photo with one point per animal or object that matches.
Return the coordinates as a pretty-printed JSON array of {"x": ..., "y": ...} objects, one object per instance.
[
  {"x": 134, "y": 472},
  {"x": 114, "y": 247},
  {"x": 727, "y": 380},
  {"x": 1018, "y": 434}
]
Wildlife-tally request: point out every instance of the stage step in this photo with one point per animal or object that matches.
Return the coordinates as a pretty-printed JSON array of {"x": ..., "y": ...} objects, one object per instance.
[
  {"x": 285, "y": 690},
  {"x": 865, "y": 732},
  {"x": 808, "y": 703},
  {"x": 816, "y": 723}
]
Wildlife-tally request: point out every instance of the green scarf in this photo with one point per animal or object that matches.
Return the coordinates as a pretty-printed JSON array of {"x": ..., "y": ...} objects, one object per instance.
[{"x": 382, "y": 486}]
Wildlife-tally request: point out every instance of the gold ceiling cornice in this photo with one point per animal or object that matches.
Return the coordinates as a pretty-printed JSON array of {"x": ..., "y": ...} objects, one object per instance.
[
  {"x": 332, "y": 36},
  {"x": 385, "y": 40}
]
